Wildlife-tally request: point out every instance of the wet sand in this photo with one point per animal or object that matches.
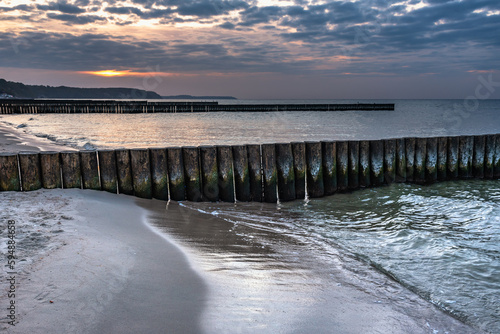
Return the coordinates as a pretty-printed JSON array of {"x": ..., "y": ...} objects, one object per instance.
[{"x": 94, "y": 262}]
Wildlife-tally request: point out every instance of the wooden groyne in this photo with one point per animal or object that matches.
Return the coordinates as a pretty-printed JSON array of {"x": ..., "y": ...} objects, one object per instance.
[
  {"x": 259, "y": 173},
  {"x": 18, "y": 106}
]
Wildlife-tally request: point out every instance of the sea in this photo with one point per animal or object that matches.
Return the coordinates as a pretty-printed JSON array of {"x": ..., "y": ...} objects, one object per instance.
[{"x": 441, "y": 241}]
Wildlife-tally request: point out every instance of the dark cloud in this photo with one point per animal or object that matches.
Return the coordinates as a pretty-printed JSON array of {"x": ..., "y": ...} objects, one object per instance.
[
  {"x": 62, "y": 7},
  {"x": 207, "y": 8},
  {"x": 76, "y": 19}
]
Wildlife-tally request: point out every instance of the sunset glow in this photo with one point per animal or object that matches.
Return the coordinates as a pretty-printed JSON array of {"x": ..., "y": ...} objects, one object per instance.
[{"x": 108, "y": 73}]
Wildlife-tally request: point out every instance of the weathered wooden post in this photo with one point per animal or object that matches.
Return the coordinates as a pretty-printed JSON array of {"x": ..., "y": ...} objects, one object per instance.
[
  {"x": 410, "y": 144},
  {"x": 478, "y": 157},
  {"x": 431, "y": 160},
  {"x": 489, "y": 156},
  {"x": 364, "y": 164},
  {"x": 420, "y": 164},
  {"x": 400, "y": 160},
  {"x": 241, "y": 173},
  {"x": 286, "y": 174},
  {"x": 270, "y": 173},
  {"x": 389, "y": 160},
  {"x": 496, "y": 161},
  {"x": 90, "y": 170},
  {"x": 141, "y": 172},
  {"x": 51, "y": 170},
  {"x": 442, "y": 158},
  {"x": 226, "y": 173},
  {"x": 377, "y": 162},
  {"x": 465, "y": 149},
  {"x": 107, "y": 169},
  {"x": 453, "y": 154},
  {"x": 209, "y": 173},
  {"x": 314, "y": 160},
  {"x": 255, "y": 172},
  {"x": 175, "y": 164},
  {"x": 299, "y": 168},
  {"x": 328, "y": 169},
  {"x": 353, "y": 167},
  {"x": 192, "y": 177},
  {"x": 71, "y": 172},
  {"x": 124, "y": 172},
  {"x": 342, "y": 165},
  {"x": 31, "y": 174},
  {"x": 159, "y": 173},
  {"x": 9, "y": 172}
]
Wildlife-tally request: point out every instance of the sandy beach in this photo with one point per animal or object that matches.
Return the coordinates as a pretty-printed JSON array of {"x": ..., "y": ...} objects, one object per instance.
[{"x": 95, "y": 262}]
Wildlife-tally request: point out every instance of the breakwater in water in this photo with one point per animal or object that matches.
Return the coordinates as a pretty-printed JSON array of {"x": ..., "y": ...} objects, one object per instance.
[
  {"x": 19, "y": 106},
  {"x": 260, "y": 173}
]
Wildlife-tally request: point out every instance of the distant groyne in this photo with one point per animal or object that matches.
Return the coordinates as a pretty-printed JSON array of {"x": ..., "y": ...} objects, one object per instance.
[
  {"x": 18, "y": 106},
  {"x": 260, "y": 173}
]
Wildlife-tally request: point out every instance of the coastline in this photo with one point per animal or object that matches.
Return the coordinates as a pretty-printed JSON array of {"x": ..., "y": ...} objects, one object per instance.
[
  {"x": 216, "y": 281},
  {"x": 15, "y": 140}
]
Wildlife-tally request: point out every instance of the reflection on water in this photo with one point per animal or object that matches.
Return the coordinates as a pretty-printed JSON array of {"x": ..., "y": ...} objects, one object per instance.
[
  {"x": 442, "y": 241},
  {"x": 411, "y": 118}
]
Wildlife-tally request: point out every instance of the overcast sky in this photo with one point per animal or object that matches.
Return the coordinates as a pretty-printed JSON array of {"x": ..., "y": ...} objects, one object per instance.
[{"x": 258, "y": 48}]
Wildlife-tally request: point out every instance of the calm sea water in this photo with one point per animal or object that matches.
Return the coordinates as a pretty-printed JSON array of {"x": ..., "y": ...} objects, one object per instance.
[{"x": 442, "y": 241}]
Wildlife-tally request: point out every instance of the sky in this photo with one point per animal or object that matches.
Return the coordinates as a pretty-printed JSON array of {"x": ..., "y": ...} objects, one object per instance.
[{"x": 257, "y": 49}]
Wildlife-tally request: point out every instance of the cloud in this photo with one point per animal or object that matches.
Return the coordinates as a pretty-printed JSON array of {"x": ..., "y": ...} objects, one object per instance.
[
  {"x": 226, "y": 36},
  {"x": 62, "y": 7}
]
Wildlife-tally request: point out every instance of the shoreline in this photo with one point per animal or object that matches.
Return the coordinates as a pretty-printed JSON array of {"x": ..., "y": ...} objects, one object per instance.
[
  {"x": 188, "y": 273},
  {"x": 15, "y": 140}
]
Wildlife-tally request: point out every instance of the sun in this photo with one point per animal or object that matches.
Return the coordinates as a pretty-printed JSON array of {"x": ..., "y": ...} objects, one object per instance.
[{"x": 108, "y": 73}]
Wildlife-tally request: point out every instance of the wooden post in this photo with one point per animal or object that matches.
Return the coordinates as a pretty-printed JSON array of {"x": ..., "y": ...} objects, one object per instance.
[
  {"x": 299, "y": 168},
  {"x": 314, "y": 160},
  {"x": 31, "y": 174},
  {"x": 286, "y": 175},
  {"x": 159, "y": 173},
  {"x": 175, "y": 164},
  {"x": 465, "y": 149},
  {"x": 209, "y": 173},
  {"x": 51, "y": 170},
  {"x": 241, "y": 173},
  {"x": 71, "y": 173},
  {"x": 400, "y": 160},
  {"x": 453, "y": 154},
  {"x": 226, "y": 173},
  {"x": 410, "y": 144},
  {"x": 377, "y": 162},
  {"x": 90, "y": 171},
  {"x": 107, "y": 169},
  {"x": 442, "y": 157},
  {"x": 364, "y": 164},
  {"x": 124, "y": 172},
  {"x": 269, "y": 172},
  {"x": 489, "y": 156},
  {"x": 255, "y": 172},
  {"x": 353, "y": 167},
  {"x": 431, "y": 160},
  {"x": 141, "y": 173},
  {"x": 329, "y": 167},
  {"x": 478, "y": 157},
  {"x": 342, "y": 165},
  {"x": 9, "y": 172},
  {"x": 389, "y": 160},
  {"x": 420, "y": 155},
  {"x": 192, "y": 177},
  {"x": 496, "y": 164}
]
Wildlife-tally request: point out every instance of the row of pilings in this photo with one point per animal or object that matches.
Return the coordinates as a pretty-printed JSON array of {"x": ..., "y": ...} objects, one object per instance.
[
  {"x": 14, "y": 106},
  {"x": 260, "y": 173}
]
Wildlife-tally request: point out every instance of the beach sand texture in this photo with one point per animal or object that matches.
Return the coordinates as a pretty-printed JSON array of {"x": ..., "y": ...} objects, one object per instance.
[{"x": 94, "y": 262}]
